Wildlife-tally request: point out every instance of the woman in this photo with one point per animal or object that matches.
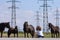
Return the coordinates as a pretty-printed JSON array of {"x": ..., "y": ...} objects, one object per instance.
[{"x": 39, "y": 32}]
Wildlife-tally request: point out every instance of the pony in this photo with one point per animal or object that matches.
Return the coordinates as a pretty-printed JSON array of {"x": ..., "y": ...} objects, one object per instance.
[
  {"x": 3, "y": 26},
  {"x": 13, "y": 30},
  {"x": 54, "y": 30},
  {"x": 28, "y": 29}
]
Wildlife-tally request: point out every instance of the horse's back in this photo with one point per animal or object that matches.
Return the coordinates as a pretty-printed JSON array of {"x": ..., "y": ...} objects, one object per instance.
[
  {"x": 1, "y": 27},
  {"x": 31, "y": 27},
  {"x": 13, "y": 30},
  {"x": 57, "y": 28}
]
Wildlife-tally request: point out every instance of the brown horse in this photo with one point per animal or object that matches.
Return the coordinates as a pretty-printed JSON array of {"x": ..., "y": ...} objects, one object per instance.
[
  {"x": 54, "y": 30},
  {"x": 28, "y": 29},
  {"x": 3, "y": 26},
  {"x": 13, "y": 30}
]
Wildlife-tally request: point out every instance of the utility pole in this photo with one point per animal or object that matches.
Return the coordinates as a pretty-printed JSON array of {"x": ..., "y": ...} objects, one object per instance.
[
  {"x": 57, "y": 17},
  {"x": 13, "y": 14},
  {"x": 45, "y": 14}
]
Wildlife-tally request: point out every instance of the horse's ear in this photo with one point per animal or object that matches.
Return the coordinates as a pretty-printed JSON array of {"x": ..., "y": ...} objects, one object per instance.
[
  {"x": 49, "y": 23},
  {"x": 8, "y": 22},
  {"x": 26, "y": 21}
]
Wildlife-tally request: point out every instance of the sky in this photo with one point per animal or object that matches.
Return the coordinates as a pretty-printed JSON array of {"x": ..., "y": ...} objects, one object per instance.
[{"x": 27, "y": 12}]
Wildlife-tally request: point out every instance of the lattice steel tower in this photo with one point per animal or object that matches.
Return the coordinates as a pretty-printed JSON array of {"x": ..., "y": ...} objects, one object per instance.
[
  {"x": 57, "y": 17},
  {"x": 13, "y": 15},
  {"x": 37, "y": 18},
  {"x": 45, "y": 14}
]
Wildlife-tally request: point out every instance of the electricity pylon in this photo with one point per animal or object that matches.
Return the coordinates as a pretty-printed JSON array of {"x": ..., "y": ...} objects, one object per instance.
[
  {"x": 13, "y": 10},
  {"x": 45, "y": 14}
]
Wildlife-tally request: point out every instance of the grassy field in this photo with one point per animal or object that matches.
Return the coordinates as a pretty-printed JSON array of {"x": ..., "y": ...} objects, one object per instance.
[{"x": 21, "y": 35}]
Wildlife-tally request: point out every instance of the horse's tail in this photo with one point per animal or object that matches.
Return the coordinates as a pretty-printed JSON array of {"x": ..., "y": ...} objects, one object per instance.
[{"x": 33, "y": 31}]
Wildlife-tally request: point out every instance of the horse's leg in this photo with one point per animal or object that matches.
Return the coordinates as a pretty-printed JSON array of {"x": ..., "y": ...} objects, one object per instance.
[
  {"x": 32, "y": 34},
  {"x": 17, "y": 34},
  {"x": 14, "y": 34},
  {"x": 9, "y": 35},
  {"x": 52, "y": 35},
  {"x": 58, "y": 34},
  {"x": 27, "y": 35},
  {"x": 1, "y": 33},
  {"x": 24, "y": 34}
]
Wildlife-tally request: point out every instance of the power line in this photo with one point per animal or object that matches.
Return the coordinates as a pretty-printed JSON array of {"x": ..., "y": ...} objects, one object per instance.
[
  {"x": 45, "y": 14},
  {"x": 13, "y": 15}
]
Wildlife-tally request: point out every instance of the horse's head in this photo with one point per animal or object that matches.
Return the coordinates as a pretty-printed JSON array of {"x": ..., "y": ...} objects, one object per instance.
[
  {"x": 6, "y": 24},
  {"x": 26, "y": 24},
  {"x": 16, "y": 27},
  {"x": 50, "y": 25}
]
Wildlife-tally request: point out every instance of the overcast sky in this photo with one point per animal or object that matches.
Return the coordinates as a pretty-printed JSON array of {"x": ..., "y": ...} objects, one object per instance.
[{"x": 27, "y": 12}]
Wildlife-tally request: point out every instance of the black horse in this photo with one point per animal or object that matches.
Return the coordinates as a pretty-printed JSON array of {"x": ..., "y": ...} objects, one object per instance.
[
  {"x": 13, "y": 30},
  {"x": 2, "y": 27},
  {"x": 28, "y": 29},
  {"x": 54, "y": 30}
]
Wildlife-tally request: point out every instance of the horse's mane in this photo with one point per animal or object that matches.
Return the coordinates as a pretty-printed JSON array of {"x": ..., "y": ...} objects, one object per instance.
[
  {"x": 25, "y": 24},
  {"x": 50, "y": 24},
  {"x": 54, "y": 27},
  {"x": 57, "y": 27}
]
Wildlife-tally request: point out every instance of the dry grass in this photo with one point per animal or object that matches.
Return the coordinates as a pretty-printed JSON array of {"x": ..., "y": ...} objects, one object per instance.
[{"x": 21, "y": 35}]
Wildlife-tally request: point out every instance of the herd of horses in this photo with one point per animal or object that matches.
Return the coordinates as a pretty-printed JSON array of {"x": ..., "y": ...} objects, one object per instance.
[
  {"x": 10, "y": 29},
  {"x": 28, "y": 29}
]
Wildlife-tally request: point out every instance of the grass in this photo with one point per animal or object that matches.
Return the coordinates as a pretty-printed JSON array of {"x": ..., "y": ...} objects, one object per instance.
[
  {"x": 47, "y": 35},
  {"x": 21, "y": 35}
]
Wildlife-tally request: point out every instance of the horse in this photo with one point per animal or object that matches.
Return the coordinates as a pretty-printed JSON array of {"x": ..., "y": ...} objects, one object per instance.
[
  {"x": 3, "y": 26},
  {"x": 54, "y": 30},
  {"x": 28, "y": 29},
  {"x": 13, "y": 30}
]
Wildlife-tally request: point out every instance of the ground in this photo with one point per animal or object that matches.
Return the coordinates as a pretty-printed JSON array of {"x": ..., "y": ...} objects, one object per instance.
[{"x": 21, "y": 35}]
